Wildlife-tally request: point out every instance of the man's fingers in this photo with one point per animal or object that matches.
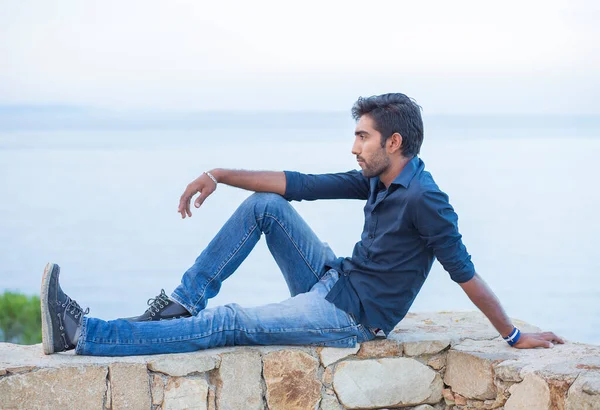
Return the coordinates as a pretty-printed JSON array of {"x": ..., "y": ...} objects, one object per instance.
[
  {"x": 542, "y": 342},
  {"x": 184, "y": 203},
  {"x": 545, "y": 343},
  {"x": 187, "y": 207},
  {"x": 536, "y": 343},
  {"x": 181, "y": 208},
  {"x": 532, "y": 340},
  {"x": 551, "y": 337}
]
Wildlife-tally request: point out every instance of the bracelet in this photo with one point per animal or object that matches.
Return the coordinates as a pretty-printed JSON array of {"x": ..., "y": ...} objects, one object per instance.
[
  {"x": 513, "y": 338},
  {"x": 213, "y": 178}
]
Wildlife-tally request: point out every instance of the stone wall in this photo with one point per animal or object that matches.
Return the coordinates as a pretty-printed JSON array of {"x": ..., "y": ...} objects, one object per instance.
[{"x": 430, "y": 361}]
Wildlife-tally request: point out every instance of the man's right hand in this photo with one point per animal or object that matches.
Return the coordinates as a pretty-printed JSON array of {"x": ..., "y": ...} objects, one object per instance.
[{"x": 202, "y": 185}]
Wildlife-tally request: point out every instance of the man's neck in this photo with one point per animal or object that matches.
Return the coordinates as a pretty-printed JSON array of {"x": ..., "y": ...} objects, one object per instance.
[{"x": 393, "y": 171}]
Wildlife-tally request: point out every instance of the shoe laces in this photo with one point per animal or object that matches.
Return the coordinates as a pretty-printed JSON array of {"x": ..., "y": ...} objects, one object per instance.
[
  {"x": 158, "y": 303},
  {"x": 73, "y": 308},
  {"x": 76, "y": 311}
]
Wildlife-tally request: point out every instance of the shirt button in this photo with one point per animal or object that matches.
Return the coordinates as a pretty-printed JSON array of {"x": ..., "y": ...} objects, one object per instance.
[{"x": 370, "y": 236}]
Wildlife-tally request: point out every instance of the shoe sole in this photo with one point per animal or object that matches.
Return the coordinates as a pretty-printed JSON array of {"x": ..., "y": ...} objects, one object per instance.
[{"x": 47, "y": 331}]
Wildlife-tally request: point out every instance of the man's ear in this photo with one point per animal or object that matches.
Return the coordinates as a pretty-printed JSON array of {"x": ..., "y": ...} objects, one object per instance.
[{"x": 394, "y": 143}]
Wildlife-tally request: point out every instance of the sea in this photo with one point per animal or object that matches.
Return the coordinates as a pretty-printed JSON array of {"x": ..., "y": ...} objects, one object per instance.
[{"x": 102, "y": 203}]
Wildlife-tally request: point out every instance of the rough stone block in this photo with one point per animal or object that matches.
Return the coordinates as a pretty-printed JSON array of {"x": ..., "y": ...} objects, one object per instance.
[
  {"x": 330, "y": 355},
  {"x": 421, "y": 347},
  {"x": 184, "y": 364},
  {"x": 584, "y": 394},
  {"x": 455, "y": 326},
  {"x": 509, "y": 371},
  {"x": 239, "y": 381},
  {"x": 129, "y": 386},
  {"x": 62, "y": 388},
  {"x": 470, "y": 375},
  {"x": 292, "y": 380},
  {"x": 391, "y": 382},
  {"x": 531, "y": 393},
  {"x": 380, "y": 348},
  {"x": 182, "y": 393}
]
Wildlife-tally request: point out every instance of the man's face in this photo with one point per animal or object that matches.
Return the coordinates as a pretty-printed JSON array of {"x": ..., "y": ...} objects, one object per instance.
[{"x": 371, "y": 156}]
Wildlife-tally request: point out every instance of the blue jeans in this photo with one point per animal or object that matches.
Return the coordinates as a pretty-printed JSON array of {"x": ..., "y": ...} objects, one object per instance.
[{"x": 304, "y": 319}]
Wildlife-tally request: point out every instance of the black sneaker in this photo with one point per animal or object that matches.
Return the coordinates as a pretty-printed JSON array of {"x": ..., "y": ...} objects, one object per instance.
[
  {"x": 161, "y": 308},
  {"x": 61, "y": 315}
]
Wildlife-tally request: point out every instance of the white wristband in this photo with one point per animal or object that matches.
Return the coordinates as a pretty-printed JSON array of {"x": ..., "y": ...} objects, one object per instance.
[{"x": 213, "y": 178}]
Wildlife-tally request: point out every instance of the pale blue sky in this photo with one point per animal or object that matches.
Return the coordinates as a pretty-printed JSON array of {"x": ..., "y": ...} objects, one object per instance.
[{"x": 453, "y": 57}]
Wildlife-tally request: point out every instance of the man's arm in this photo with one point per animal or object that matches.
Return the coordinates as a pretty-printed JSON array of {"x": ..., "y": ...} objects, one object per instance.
[
  {"x": 438, "y": 226},
  {"x": 294, "y": 186},
  {"x": 483, "y": 297},
  {"x": 257, "y": 181}
]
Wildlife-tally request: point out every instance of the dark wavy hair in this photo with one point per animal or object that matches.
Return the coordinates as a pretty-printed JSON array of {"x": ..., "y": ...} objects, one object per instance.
[{"x": 392, "y": 113}]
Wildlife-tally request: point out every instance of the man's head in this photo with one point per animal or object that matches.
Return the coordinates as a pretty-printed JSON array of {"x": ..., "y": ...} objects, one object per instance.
[
  {"x": 389, "y": 131},
  {"x": 393, "y": 113}
]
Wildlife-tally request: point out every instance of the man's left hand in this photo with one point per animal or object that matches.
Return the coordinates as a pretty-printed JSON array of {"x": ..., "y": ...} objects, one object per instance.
[{"x": 531, "y": 340}]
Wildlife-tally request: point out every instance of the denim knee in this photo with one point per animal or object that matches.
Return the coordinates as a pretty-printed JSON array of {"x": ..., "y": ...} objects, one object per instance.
[{"x": 261, "y": 201}]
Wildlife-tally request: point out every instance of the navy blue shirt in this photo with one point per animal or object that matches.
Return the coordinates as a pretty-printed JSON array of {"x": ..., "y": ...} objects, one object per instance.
[{"x": 407, "y": 226}]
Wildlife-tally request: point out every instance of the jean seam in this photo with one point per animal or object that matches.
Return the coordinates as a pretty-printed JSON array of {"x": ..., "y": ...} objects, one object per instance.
[
  {"x": 220, "y": 268},
  {"x": 290, "y": 237},
  {"x": 202, "y": 336}
]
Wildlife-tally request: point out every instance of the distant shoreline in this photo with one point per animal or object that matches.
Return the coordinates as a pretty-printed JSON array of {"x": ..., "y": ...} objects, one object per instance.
[{"x": 59, "y": 118}]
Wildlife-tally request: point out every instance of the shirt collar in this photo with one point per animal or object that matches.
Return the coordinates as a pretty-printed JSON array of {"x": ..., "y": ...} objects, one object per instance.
[
  {"x": 405, "y": 176},
  {"x": 408, "y": 172}
]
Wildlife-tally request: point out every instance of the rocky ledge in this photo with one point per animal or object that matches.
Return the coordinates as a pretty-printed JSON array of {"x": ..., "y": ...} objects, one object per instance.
[{"x": 430, "y": 361}]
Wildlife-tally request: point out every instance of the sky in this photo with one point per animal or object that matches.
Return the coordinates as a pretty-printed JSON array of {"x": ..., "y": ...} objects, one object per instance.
[{"x": 539, "y": 57}]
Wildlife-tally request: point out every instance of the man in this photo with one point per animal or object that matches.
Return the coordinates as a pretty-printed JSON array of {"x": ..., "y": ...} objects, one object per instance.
[{"x": 335, "y": 301}]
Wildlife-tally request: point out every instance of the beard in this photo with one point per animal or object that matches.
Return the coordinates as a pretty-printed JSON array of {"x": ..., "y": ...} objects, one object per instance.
[{"x": 376, "y": 165}]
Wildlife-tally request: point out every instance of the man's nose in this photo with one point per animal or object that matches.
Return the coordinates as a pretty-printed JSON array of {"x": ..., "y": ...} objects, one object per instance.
[{"x": 356, "y": 148}]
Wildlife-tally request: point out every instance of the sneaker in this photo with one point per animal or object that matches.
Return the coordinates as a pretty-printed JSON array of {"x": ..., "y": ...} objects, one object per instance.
[
  {"x": 161, "y": 308},
  {"x": 61, "y": 315}
]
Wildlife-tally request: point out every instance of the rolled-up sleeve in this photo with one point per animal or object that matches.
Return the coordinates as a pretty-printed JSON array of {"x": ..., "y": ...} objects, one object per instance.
[
  {"x": 310, "y": 187},
  {"x": 437, "y": 224}
]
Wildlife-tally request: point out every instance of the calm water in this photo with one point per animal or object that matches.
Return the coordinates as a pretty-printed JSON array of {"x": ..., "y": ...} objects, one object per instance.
[{"x": 103, "y": 205}]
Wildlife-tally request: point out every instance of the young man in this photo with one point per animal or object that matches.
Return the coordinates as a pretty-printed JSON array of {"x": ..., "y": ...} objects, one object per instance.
[{"x": 335, "y": 301}]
